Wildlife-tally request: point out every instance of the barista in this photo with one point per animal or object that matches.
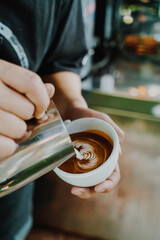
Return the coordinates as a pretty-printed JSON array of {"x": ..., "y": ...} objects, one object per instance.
[{"x": 40, "y": 42}]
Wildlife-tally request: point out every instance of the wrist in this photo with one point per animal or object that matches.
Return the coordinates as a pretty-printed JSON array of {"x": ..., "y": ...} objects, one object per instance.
[
  {"x": 78, "y": 102},
  {"x": 71, "y": 105},
  {"x": 67, "y": 95}
]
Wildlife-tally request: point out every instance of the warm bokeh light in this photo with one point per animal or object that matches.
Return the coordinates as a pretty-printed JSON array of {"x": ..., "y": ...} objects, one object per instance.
[{"x": 128, "y": 19}]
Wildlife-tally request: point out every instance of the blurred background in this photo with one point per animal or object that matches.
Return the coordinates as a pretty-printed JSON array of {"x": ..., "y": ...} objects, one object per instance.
[{"x": 121, "y": 77}]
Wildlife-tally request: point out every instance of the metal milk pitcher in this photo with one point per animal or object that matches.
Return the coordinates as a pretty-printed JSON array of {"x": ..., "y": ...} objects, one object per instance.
[{"x": 46, "y": 146}]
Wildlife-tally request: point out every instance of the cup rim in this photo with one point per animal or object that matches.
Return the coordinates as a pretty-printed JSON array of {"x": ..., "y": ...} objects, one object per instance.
[{"x": 116, "y": 147}]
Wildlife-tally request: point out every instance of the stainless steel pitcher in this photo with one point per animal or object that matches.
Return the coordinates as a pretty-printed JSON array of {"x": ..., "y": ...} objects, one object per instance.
[{"x": 46, "y": 146}]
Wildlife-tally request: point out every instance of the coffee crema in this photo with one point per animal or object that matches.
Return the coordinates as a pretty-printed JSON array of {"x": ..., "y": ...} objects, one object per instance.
[{"x": 95, "y": 148}]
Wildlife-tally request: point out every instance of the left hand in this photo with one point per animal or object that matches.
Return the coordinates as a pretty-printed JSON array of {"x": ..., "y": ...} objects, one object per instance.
[
  {"x": 72, "y": 105},
  {"x": 104, "y": 187},
  {"x": 113, "y": 179}
]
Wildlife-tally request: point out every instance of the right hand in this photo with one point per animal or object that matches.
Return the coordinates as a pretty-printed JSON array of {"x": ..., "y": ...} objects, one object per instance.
[{"x": 23, "y": 95}]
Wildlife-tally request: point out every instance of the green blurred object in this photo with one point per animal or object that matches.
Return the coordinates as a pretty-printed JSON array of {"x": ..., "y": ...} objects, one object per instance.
[{"x": 121, "y": 105}]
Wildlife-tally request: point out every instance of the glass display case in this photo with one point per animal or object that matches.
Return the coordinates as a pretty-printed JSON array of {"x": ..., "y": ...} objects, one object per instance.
[{"x": 128, "y": 73}]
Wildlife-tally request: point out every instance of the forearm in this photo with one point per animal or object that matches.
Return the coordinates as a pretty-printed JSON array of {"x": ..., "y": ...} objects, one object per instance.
[{"x": 67, "y": 91}]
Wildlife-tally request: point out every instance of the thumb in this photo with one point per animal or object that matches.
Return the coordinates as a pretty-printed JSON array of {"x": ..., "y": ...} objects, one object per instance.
[{"x": 50, "y": 89}]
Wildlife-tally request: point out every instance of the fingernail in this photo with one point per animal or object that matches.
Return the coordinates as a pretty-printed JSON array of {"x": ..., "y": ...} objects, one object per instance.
[
  {"x": 77, "y": 193},
  {"x": 45, "y": 117},
  {"x": 17, "y": 145},
  {"x": 41, "y": 115},
  {"x": 121, "y": 131},
  {"x": 100, "y": 190}
]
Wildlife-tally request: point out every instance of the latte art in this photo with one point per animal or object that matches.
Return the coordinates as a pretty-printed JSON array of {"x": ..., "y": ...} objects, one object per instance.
[
  {"x": 93, "y": 148},
  {"x": 91, "y": 153}
]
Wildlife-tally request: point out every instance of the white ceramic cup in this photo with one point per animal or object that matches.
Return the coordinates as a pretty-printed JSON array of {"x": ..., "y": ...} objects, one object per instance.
[{"x": 101, "y": 173}]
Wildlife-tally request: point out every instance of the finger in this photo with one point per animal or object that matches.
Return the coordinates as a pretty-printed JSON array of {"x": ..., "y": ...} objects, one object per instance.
[
  {"x": 26, "y": 82},
  {"x": 7, "y": 147},
  {"x": 110, "y": 183},
  {"x": 13, "y": 102},
  {"x": 120, "y": 150},
  {"x": 50, "y": 89},
  {"x": 93, "y": 113},
  {"x": 83, "y": 193},
  {"x": 119, "y": 131},
  {"x": 11, "y": 126}
]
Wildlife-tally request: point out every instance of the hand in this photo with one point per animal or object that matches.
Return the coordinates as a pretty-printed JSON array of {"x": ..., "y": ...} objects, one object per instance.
[
  {"x": 72, "y": 105},
  {"x": 104, "y": 187},
  {"x": 22, "y": 96},
  {"x": 114, "y": 178},
  {"x": 82, "y": 112}
]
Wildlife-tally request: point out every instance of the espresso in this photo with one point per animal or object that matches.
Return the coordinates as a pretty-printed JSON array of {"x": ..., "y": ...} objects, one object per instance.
[{"x": 95, "y": 148}]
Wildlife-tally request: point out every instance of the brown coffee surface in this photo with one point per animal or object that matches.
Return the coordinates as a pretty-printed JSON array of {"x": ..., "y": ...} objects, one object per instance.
[{"x": 94, "y": 146}]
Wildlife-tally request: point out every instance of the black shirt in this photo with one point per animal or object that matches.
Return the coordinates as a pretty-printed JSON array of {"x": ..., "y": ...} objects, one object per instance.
[{"x": 45, "y": 36}]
